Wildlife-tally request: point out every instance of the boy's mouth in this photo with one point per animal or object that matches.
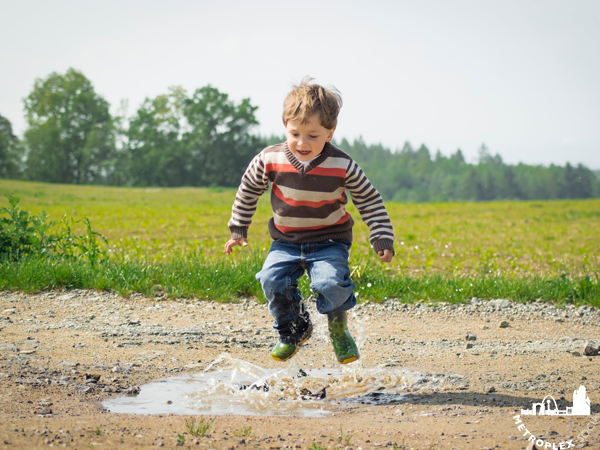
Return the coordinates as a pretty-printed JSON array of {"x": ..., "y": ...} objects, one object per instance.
[{"x": 304, "y": 153}]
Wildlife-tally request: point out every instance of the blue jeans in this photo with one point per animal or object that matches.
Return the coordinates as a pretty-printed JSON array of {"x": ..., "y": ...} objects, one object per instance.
[{"x": 327, "y": 266}]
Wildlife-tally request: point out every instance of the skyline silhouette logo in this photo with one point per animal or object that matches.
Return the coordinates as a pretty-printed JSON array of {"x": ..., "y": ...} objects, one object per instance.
[{"x": 581, "y": 406}]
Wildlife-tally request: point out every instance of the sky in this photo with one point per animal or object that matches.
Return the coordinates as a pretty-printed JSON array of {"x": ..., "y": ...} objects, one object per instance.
[{"x": 520, "y": 76}]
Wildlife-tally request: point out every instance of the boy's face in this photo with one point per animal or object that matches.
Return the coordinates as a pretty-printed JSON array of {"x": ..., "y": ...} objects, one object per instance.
[{"x": 306, "y": 141}]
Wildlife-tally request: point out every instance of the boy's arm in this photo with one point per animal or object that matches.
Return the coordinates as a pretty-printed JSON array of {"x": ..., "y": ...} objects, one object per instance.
[
  {"x": 254, "y": 183},
  {"x": 371, "y": 208}
]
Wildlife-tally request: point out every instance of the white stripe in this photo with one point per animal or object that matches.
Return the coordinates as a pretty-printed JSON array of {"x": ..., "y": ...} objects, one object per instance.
[
  {"x": 300, "y": 195},
  {"x": 335, "y": 163},
  {"x": 301, "y": 222}
]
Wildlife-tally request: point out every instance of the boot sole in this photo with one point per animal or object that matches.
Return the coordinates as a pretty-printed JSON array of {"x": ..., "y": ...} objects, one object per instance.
[
  {"x": 349, "y": 360},
  {"x": 297, "y": 348}
]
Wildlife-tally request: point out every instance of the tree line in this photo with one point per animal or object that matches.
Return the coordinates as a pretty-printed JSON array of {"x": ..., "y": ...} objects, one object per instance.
[
  {"x": 205, "y": 139},
  {"x": 413, "y": 175}
]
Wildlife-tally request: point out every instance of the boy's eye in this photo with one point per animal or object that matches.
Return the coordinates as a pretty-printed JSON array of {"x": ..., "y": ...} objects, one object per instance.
[{"x": 313, "y": 137}]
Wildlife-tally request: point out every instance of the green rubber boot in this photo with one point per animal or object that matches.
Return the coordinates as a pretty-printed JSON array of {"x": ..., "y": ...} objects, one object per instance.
[
  {"x": 285, "y": 350},
  {"x": 343, "y": 343}
]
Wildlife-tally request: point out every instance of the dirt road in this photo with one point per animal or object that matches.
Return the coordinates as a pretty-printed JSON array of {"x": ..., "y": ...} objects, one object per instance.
[{"x": 63, "y": 353}]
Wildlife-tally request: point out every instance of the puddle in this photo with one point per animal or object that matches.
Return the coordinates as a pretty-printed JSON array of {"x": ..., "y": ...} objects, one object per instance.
[{"x": 232, "y": 386}]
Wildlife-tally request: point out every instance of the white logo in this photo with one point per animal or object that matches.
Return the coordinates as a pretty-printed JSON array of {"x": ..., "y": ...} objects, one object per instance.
[{"x": 581, "y": 406}]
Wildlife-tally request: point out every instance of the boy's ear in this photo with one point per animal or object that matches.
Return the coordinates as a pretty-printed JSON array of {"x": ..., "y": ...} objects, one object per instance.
[{"x": 330, "y": 137}]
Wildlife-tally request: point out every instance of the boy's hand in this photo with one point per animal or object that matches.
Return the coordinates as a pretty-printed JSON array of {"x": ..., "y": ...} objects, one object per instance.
[
  {"x": 242, "y": 242},
  {"x": 385, "y": 255}
]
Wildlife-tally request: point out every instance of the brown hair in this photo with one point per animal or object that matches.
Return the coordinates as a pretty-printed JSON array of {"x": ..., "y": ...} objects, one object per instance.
[{"x": 307, "y": 99}]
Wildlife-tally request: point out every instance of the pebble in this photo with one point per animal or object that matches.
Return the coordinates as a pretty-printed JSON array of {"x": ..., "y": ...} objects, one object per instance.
[
  {"x": 471, "y": 337},
  {"x": 499, "y": 303},
  {"x": 504, "y": 324},
  {"x": 591, "y": 348}
]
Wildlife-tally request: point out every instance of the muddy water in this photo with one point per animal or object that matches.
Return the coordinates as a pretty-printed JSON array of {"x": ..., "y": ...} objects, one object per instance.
[{"x": 231, "y": 386}]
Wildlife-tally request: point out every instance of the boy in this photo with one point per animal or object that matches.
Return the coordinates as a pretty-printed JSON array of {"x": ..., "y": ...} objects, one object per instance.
[{"x": 310, "y": 227}]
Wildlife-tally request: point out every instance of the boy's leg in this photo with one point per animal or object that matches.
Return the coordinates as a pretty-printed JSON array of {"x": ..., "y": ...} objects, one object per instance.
[
  {"x": 279, "y": 279},
  {"x": 330, "y": 277},
  {"x": 330, "y": 280}
]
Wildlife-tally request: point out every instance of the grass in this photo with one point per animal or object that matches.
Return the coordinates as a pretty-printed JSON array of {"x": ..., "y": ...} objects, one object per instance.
[
  {"x": 243, "y": 432},
  {"x": 198, "y": 428},
  {"x": 344, "y": 439},
  {"x": 171, "y": 240}
]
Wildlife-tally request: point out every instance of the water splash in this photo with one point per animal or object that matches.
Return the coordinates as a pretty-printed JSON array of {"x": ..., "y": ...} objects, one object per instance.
[{"x": 234, "y": 386}]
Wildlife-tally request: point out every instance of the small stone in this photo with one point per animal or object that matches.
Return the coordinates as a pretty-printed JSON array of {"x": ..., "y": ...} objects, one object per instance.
[
  {"x": 398, "y": 412},
  {"x": 512, "y": 437},
  {"x": 68, "y": 364},
  {"x": 471, "y": 337},
  {"x": 532, "y": 446},
  {"x": 469, "y": 345},
  {"x": 503, "y": 324},
  {"x": 45, "y": 411},
  {"x": 489, "y": 389},
  {"x": 575, "y": 353},
  {"x": 132, "y": 390},
  {"x": 591, "y": 348},
  {"x": 499, "y": 303},
  {"x": 485, "y": 327}
]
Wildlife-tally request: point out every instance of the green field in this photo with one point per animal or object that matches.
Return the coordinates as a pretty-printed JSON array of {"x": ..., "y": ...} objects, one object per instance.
[{"x": 443, "y": 251}]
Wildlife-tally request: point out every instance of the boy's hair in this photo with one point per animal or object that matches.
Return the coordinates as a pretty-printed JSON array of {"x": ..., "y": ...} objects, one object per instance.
[{"x": 307, "y": 99}]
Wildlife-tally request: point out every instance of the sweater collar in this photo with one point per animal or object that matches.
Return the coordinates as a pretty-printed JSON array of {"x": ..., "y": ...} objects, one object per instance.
[{"x": 301, "y": 168}]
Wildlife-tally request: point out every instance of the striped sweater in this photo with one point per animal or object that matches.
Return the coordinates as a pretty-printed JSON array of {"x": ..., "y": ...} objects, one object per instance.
[{"x": 309, "y": 201}]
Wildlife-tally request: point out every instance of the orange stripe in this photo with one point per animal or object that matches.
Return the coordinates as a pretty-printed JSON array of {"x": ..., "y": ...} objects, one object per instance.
[
  {"x": 292, "y": 202},
  {"x": 341, "y": 173},
  {"x": 323, "y": 171},
  {"x": 290, "y": 229},
  {"x": 273, "y": 167}
]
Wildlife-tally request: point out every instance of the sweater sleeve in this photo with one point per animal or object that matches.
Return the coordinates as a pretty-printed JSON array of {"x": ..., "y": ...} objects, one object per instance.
[
  {"x": 254, "y": 183},
  {"x": 371, "y": 208}
]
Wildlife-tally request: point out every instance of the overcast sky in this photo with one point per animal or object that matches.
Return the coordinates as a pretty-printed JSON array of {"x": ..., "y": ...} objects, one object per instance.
[{"x": 521, "y": 76}]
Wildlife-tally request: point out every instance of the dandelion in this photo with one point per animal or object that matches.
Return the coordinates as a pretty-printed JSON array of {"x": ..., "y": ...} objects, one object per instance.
[
  {"x": 369, "y": 285},
  {"x": 416, "y": 247},
  {"x": 401, "y": 243}
]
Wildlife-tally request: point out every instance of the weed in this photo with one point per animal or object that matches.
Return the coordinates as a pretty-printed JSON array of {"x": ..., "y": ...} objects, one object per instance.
[
  {"x": 246, "y": 431},
  {"x": 315, "y": 446},
  {"x": 22, "y": 234},
  {"x": 344, "y": 439},
  {"x": 180, "y": 439},
  {"x": 98, "y": 431},
  {"x": 198, "y": 428}
]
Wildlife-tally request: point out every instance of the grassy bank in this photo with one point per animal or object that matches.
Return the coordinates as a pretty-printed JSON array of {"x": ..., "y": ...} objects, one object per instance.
[
  {"x": 172, "y": 239},
  {"x": 229, "y": 280}
]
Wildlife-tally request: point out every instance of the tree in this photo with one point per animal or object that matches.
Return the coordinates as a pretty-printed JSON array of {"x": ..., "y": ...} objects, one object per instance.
[
  {"x": 71, "y": 134},
  {"x": 218, "y": 140},
  {"x": 11, "y": 151},
  {"x": 202, "y": 140},
  {"x": 155, "y": 155}
]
